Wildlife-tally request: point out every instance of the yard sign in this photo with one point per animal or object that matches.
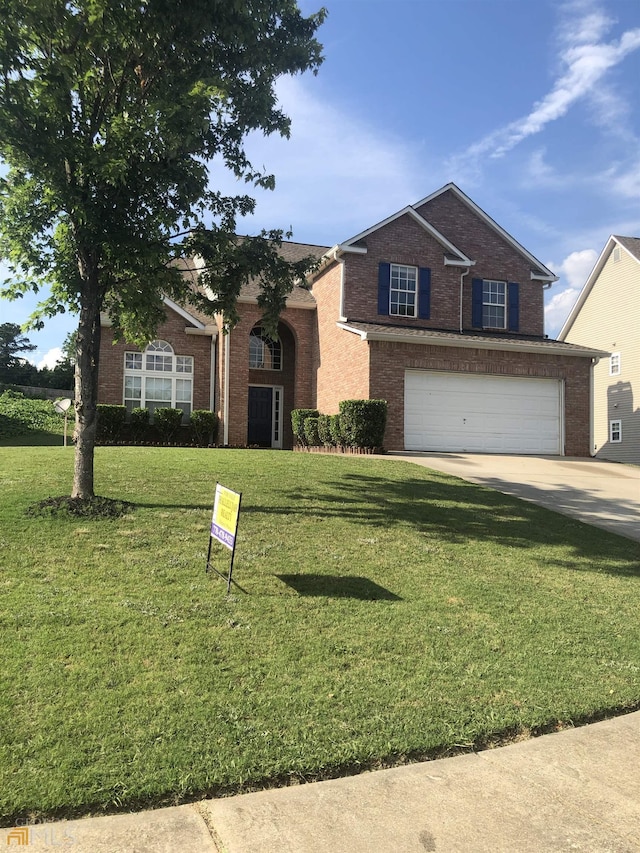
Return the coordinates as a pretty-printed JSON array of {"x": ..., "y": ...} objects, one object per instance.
[{"x": 224, "y": 525}]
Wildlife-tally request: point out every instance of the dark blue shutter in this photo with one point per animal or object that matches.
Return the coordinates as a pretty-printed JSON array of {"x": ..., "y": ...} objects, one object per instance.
[
  {"x": 384, "y": 284},
  {"x": 424, "y": 293},
  {"x": 513, "y": 304},
  {"x": 476, "y": 303}
]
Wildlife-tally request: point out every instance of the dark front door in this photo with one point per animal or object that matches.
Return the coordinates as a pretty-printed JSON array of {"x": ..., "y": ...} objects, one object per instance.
[{"x": 260, "y": 421}]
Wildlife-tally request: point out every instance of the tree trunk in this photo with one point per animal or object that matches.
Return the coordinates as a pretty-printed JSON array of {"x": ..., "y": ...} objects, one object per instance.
[{"x": 86, "y": 388}]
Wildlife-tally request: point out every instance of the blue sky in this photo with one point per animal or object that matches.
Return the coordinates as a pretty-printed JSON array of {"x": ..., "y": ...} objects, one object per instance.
[{"x": 532, "y": 107}]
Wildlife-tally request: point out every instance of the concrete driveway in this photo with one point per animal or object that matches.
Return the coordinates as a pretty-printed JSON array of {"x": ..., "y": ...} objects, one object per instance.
[{"x": 605, "y": 494}]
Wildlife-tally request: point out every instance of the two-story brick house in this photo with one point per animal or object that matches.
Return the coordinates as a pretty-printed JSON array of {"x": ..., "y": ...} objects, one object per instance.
[{"x": 436, "y": 309}]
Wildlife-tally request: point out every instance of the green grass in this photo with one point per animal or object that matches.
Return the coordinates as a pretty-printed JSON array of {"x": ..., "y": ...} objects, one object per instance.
[{"x": 386, "y": 612}]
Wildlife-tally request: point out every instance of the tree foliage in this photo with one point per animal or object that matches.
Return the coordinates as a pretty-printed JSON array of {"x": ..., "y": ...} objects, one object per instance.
[
  {"x": 16, "y": 370},
  {"x": 13, "y": 342},
  {"x": 110, "y": 113}
]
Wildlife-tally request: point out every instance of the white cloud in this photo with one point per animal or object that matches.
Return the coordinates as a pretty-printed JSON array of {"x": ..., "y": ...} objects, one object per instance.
[
  {"x": 49, "y": 359},
  {"x": 574, "y": 271},
  {"x": 577, "y": 266},
  {"x": 584, "y": 60},
  {"x": 557, "y": 310},
  {"x": 334, "y": 176}
]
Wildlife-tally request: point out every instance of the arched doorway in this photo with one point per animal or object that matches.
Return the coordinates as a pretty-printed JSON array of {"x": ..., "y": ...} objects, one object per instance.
[{"x": 271, "y": 387}]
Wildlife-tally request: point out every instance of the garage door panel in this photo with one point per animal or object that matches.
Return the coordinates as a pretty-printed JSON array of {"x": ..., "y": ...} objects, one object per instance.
[{"x": 478, "y": 413}]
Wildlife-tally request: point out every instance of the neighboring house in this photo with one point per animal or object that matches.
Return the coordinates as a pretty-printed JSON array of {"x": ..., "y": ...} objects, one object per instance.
[
  {"x": 436, "y": 309},
  {"x": 607, "y": 315}
]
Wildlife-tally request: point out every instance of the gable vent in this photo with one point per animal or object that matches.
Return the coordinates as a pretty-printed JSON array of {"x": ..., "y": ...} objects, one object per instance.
[{"x": 616, "y": 254}]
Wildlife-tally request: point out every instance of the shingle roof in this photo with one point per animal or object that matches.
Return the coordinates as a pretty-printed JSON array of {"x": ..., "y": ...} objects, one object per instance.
[
  {"x": 435, "y": 337},
  {"x": 289, "y": 250}
]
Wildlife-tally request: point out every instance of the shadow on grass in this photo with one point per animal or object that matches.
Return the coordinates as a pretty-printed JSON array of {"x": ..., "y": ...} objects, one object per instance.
[
  {"x": 36, "y": 439},
  {"x": 445, "y": 509},
  {"x": 331, "y": 586}
]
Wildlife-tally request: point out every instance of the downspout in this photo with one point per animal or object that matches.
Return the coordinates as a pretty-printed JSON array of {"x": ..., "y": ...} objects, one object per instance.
[
  {"x": 592, "y": 383},
  {"x": 341, "y": 315},
  {"x": 462, "y": 275},
  {"x": 212, "y": 381},
  {"x": 226, "y": 388}
]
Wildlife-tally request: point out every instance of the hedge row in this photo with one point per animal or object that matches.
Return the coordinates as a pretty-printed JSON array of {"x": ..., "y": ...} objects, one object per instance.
[
  {"x": 360, "y": 424},
  {"x": 202, "y": 428}
]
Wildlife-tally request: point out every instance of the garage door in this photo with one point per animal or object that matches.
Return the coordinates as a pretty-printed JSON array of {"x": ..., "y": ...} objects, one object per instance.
[{"x": 481, "y": 414}]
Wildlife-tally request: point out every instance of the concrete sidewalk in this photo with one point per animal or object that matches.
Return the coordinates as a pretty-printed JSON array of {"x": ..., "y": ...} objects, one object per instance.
[
  {"x": 576, "y": 790},
  {"x": 605, "y": 494}
]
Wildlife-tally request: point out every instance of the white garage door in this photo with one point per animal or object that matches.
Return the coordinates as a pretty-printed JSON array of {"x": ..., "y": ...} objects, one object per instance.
[{"x": 481, "y": 414}]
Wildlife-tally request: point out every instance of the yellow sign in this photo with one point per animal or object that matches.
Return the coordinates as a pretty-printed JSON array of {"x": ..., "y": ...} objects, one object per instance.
[{"x": 226, "y": 509}]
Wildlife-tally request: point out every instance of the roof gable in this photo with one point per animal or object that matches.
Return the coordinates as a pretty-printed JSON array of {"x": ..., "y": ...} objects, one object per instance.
[
  {"x": 631, "y": 245},
  {"x": 538, "y": 270},
  {"x": 446, "y": 244}
]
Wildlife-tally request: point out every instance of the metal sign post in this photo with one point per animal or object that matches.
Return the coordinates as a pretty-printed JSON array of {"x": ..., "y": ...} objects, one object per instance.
[{"x": 224, "y": 526}]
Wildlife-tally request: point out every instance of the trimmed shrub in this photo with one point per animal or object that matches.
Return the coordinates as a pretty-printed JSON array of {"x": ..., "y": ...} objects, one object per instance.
[
  {"x": 311, "y": 436},
  {"x": 324, "y": 430},
  {"x": 298, "y": 417},
  {"x": 204, "y": 426},
  {"x": 167, "y": 422},
  {"x": 336, "y": 430},
  {"x": 139, "y": 423},
  {"x": 363, "y": 422},
  {"x": 110, "y": 421}
]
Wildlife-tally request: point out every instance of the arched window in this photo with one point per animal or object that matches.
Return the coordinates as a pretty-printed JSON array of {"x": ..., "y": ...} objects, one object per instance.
[
  {"x": 158, "y": 378},
  {"x": 264, "y": 353}
]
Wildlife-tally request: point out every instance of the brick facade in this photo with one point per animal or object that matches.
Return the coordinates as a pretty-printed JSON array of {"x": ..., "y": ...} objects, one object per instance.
[
  {"x": 324, "y": 363},
  {"x": 296, "y": 336},
  {"x": 111, "y": 373},
  {"x": 390, "y": 360},
  {"x": 341, "y": 361}
]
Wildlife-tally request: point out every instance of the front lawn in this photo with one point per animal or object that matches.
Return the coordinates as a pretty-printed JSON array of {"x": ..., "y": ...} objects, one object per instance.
[{"x": 386, "y": 611}]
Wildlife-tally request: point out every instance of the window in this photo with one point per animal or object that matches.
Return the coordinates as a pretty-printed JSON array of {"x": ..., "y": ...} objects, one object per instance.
[
  {"x": 158, "y": 378},
  {"x": 403, "y": 291},
  {"x": 494, "y": 304},
  {"x": 614, "y": 364},
  {"x": 615, "y": 432},
  {"x": 264, "y": 353}
]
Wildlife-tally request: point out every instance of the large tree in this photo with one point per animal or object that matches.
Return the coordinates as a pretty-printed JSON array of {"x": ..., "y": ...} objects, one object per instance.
[
  {"x": 14, "y": 368},
  {"x": 110, "y": 113}
]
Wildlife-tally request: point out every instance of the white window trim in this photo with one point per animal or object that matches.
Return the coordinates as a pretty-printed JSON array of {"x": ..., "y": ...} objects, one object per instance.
[
  {"x": 276, "y": 420},
  {"x": 265, "y": 344},
  {"x": 393, "y": 289},
  {"x": 173, "y": 375},
  {"x": 615, "y": 426},
  {"x": 615, "y": 364},
  {"x": 503, "y": 284}
]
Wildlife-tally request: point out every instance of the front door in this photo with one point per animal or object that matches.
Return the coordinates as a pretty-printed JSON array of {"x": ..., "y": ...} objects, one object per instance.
[{"x": 260, "y": 417}]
